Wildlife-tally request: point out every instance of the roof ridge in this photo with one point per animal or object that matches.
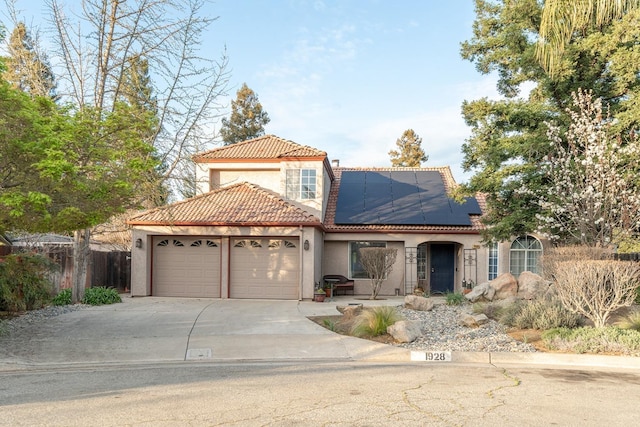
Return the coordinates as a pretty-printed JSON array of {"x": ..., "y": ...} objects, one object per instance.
[{"x": 235, "y": 144}]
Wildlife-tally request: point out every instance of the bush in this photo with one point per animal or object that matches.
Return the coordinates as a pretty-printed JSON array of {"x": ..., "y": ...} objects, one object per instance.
[
  {"x": 63, "y": 297},
  {"x": 453, "y": 298},
  {"x": 491, "y": 310},
  {"x": 609, "y": 339},
  {"x": 542, "y": 314},
  {"x": 631, "y": 321},
  {"x": 24, "y": 281},
  {"x": 374, "y": 321},
  {"x": 101, "y": 296}
]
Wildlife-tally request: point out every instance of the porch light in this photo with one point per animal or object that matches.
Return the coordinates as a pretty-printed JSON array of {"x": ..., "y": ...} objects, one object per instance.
[
  {"x": 306, "y": 245},
  {"x": 138, "y": 243}
]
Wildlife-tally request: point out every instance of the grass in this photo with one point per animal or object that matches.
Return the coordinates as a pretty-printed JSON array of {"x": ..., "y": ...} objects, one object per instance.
[
  {"x": 374, "y": 321},
  {"x": 631, "y": 321},
  {"x": 453, "y": 298}
]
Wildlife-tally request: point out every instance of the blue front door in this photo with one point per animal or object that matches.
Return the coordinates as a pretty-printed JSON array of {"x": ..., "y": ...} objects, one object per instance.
[{"x": 442, "y": 265}]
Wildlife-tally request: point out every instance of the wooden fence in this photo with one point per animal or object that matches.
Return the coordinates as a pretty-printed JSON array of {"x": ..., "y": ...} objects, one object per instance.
[{"x": 110, "y": 269}]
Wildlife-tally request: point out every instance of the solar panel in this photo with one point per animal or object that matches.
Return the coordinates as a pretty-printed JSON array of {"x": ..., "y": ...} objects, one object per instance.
[{"x": 399, "y": 198}]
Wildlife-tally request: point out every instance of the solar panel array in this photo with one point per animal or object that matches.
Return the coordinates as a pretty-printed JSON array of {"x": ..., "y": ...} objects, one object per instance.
[{"x": 399, "y": 198}]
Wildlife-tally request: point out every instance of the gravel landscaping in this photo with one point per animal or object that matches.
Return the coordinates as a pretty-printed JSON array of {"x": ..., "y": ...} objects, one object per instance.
[
  {"x": 16, "y": 324},
  {"x": 441, "y": 332}
]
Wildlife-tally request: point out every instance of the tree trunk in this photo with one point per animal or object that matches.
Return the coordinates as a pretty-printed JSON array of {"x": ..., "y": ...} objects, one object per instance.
[{"x": 81, "y": 251}]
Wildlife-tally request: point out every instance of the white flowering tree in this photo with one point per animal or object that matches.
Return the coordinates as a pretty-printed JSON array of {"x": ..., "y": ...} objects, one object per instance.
[{"x": 593, "y": 197}]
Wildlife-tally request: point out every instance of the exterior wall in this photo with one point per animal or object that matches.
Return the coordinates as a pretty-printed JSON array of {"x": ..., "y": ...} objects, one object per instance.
[
  {"x": 210, "y": 176},
  {"x": 272, "y": 176},
  {"x": 336, "y": 256},
  {"x": 141, "y": 258}
]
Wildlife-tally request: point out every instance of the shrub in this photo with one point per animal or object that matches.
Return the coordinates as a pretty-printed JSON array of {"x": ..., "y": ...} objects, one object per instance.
[
  {"x": 374, "y": 321},
  {"x": 63, "y": 297},
  {"x": 597, "y": 288},
  {"x": 24, "y": 281},
  {"x": 609, "y": 339},
  {"x": 544, "y": 313},
  {"x": 631, "y": 321},
  {"x": 101, "y": 296},
  {"x": 453, "y": 298},
  {"x": 491, "y": 310}
]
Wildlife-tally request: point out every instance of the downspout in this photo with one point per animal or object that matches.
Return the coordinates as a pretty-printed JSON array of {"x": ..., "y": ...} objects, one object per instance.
[{"x": 301, "y": 250}]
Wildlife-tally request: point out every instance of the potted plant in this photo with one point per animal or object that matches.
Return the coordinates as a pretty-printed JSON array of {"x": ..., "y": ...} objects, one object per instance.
[
  {"x": 319, "y": 295},
  {"x": 467, "y": 285}
]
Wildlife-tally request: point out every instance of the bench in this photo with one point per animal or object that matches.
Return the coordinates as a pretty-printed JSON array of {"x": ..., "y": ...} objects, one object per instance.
[{"x": 340, "y": 283}]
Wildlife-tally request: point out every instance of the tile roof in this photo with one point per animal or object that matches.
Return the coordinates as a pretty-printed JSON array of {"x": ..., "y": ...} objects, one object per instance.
[
  {"x": 264, "y": 147},
  {"x": 239, "y": 204},
  {"x": 449, "y": 182}
]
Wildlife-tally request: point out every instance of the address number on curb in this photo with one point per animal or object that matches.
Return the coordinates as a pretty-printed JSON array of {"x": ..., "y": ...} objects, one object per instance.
[{"x": 431, "y": 356}]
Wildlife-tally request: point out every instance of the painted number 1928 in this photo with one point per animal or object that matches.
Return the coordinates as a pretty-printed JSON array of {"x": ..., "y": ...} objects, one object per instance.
[{"x": 432, "y": 356}]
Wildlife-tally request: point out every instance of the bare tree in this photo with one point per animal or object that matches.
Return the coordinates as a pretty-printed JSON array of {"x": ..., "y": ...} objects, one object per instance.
[
  {"x": 378, "y": 263},
  {"x": 597, "y": 288},
  {"x": 95, "y": 48}
]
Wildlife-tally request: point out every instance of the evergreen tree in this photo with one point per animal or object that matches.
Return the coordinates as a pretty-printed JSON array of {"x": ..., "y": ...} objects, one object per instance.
[
  {"x": 247, "y": 118},
  {"x": 509, "y": 136},
  {"x": 409, "y": 151},
  {"x": 27, "y": 69}
]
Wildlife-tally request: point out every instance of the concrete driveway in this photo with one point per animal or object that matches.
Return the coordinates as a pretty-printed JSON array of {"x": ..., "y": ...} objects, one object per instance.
[{"x": 153, "y": 329}]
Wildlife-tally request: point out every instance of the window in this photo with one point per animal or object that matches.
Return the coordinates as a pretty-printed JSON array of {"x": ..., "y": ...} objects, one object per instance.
[
  {"x": 493, "y": 260},
  {"x": 525, "y": 253},
  {"x": 355, "y": 267},
  {"x": 247, "y": 243},
  {"x": 301, "y": 184}
]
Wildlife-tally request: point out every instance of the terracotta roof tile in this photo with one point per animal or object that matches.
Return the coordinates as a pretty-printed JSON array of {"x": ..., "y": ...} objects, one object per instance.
[
  {"x": 264, "y": 147},
  {"x": 449, "y": 183},
  {"x": 239, "y": 204}
]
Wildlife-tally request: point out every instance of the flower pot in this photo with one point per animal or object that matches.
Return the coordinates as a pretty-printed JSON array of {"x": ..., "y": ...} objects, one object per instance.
[{"x": 320, "y": 297}]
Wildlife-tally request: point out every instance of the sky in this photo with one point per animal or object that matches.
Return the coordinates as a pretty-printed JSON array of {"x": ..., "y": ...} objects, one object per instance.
[{"x": 350, "y": 76}]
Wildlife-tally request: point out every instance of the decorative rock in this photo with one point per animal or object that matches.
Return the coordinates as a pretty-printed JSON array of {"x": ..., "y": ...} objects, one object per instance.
[
  {"x": 531, "y": 285},
  {"x": 472, "y": 321},
  {"x": 414, "y": 302},
  {"x": 478, "y": 292},
  {"x": 505, "y": 285},
  {"x": 405, "y": 331}
]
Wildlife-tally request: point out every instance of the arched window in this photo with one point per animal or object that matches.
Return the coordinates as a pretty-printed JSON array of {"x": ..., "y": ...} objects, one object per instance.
[{"x": 524, "y": 255}]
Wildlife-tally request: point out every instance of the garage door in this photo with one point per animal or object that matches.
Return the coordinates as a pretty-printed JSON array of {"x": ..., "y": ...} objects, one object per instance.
[
  {"x": 264, "y": 268},
  {"x": 186, "y": 267}
]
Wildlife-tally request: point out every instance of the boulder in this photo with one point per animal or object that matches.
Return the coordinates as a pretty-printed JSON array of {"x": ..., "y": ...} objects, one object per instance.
[
  {"x": 532, "y": 286},
  {"x": 405, "y": 330},
  {"x": 417, "y": 303},
  {"x": 505, "y": 285},
  {"x": 478, "y": 292},
  {"x": 472, "y": 320}
]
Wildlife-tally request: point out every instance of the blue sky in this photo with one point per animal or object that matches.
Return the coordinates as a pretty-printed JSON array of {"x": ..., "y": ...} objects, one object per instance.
[{"x": 349, "y": 77}]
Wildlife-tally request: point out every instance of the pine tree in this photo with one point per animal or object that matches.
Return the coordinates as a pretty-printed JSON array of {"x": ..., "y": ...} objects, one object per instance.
[
  {"x": 27, "y": 69},
  {"x": 409, "y": 152},
  {"x": 247, "y": 118}
]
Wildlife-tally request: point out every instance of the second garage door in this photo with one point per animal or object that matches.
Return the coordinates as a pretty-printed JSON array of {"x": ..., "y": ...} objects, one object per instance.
[{"x": 264, "y": 268}]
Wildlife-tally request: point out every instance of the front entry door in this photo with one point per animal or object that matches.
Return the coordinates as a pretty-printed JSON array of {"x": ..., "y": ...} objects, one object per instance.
[{"x": 442, "y": 267}]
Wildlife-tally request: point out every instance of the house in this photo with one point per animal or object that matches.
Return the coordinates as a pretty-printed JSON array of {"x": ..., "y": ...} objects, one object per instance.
[{"x": 272, "y": 217}]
